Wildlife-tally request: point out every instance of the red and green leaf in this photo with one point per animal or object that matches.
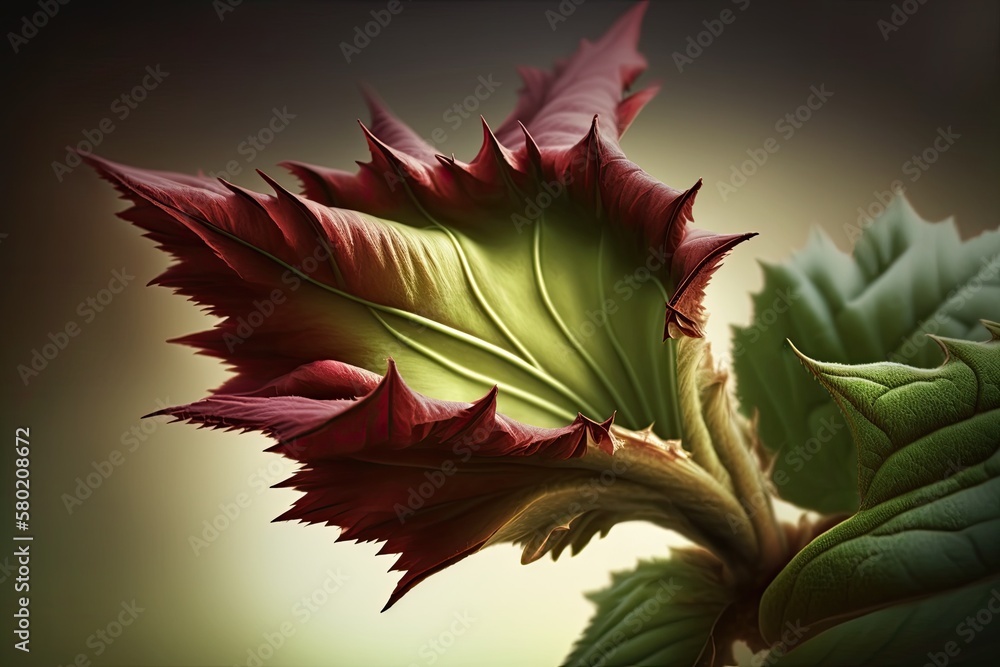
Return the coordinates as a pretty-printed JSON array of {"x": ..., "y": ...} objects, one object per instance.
[{"x": 527, "y": 286}]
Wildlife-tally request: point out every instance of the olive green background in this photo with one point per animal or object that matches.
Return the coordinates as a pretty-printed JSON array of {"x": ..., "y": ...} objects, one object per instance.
[{"x": 130, "y": 538}]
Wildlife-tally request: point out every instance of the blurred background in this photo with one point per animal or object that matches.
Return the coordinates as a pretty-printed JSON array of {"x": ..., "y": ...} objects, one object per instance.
[{"x": 222, "y": 68}]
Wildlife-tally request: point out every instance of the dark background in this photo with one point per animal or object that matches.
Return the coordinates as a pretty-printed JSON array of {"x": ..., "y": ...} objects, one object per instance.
[{"x": 130, "y": 539}]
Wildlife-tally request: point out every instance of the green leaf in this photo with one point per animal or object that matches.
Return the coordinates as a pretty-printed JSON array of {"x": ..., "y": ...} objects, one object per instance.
[
  {"x": 660, "y": 613},
  {"x": 929, "y": 443},
  {"x": 945, "y": 629},
  {"x": 906, "y": 277}
]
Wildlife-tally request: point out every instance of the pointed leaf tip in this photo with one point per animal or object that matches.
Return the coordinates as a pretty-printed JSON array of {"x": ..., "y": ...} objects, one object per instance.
[
  {"x": 841, "y": 299},
  {"x": 928, "y": 457},
  {"x": 993, "y": 328}
]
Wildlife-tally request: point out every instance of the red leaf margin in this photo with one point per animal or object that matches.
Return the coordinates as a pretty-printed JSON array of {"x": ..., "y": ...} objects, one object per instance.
[
  {"x": 346, "y": 424},
  {"x": 541, "y": 143},
  {"x": 472, "y": 458}
]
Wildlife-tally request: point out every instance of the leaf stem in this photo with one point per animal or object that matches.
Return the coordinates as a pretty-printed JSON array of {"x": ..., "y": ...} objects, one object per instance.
[
  {"x": 748, "y": 481},
  {"x": 690, "y": 378}
]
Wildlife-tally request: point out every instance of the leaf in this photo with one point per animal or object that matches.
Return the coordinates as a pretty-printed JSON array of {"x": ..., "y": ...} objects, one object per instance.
[
  {"x": 939, "y": 630},
  {"x": 559, "y": 313},
  {"x": 906, "y": 277},
  {"x": 929, "y": 444},
  {"x": 438, "y": 481},
  {"x": 661, "y": 613},
  {"x": 534, "y": 283}
]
